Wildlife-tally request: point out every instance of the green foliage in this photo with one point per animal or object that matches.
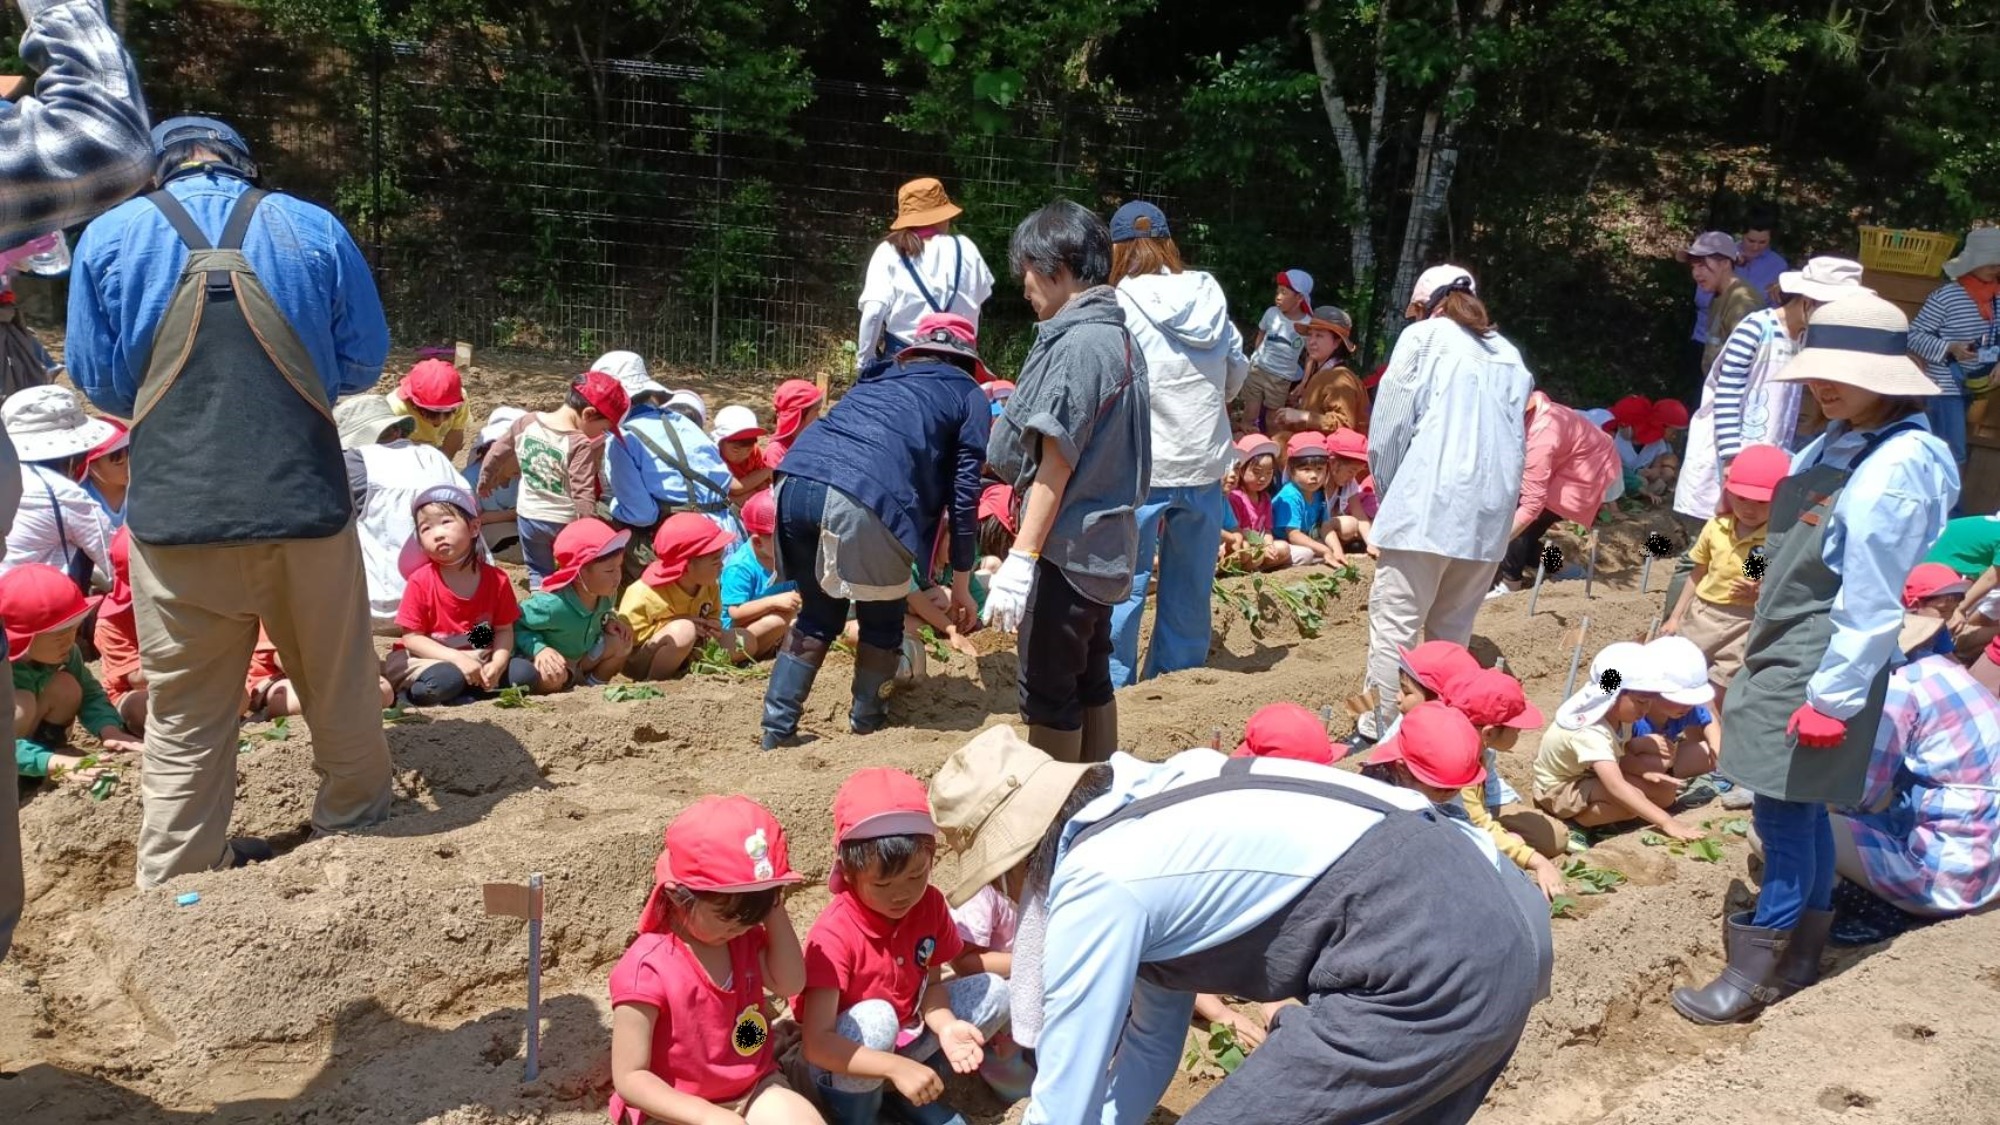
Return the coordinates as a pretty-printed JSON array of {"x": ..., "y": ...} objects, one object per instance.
[
  {"x": 1562, "y": 906},
  {"x": 512, "y": 698},
  {"x": 631, "y": 693},
  {"x": 1589, "y": 880},
  {"x": 1704, "y": 850},
  {"x": 1304, "y": 599},
  {"x": 1214, "y": 1053}
]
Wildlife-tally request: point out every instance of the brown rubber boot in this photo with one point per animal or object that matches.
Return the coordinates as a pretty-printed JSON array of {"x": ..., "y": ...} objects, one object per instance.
[
  {"x": 1747, "y": 984},
  {"x": 1062, "y": 745},
  {"x": 1100, "y": 732}
]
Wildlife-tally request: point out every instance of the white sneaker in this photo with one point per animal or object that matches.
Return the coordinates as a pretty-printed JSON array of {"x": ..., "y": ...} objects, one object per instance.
[{"x": 1499, "y": 590}]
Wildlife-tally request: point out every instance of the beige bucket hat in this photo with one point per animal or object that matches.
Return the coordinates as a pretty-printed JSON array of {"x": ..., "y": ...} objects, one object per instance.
[
  {"x": 1982, "y": 248},
  {"x": 993, "y": 801},
  {"x": 1861, "y": 342}
]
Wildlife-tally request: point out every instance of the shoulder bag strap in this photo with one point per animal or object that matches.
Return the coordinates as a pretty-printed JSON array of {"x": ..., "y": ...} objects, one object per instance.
[
  {"x": 677, "y": 460},
  {"x": 957, "y": 273},
  {"x": 1237, "y": 776}
]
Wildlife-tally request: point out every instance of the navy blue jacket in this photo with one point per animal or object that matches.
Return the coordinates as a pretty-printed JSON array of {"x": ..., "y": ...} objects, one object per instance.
[{"x": 906, "y": 441}]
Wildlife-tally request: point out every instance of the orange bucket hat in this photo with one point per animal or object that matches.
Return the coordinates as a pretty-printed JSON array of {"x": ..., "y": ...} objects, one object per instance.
[{"x": 923, "y": 203}]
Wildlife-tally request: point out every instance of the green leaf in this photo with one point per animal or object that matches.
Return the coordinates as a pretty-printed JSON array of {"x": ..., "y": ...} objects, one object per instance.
[
  {"x": 1652, "y": 839},
  {"x": 1562, "y": 906},
  {"x": 511, "y": 697},
  {"x": 103, "y": 786},
  {"x": 1705, "y": 851}
]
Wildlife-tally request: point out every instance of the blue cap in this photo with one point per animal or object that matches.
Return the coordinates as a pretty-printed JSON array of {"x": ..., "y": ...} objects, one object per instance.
[
  {"x": 177, "y": 129},
  {"x": 1126, "y": 222}
]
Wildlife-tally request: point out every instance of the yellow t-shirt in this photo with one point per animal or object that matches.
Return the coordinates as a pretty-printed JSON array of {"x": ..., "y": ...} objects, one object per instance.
[
  {"x": 1720, "y": 550},
  {"x": 647, "y": 608},
  {"x": 1567, "y": 755},
  {"x": 428, "y": 434}
]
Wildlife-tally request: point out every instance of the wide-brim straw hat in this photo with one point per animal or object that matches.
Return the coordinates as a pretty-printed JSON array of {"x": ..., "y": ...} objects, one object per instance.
[
  {"x": 47, "y": 423},
  {"x": 923, "y": 203},
  {"x": 1982, "y": 248},
  {"x": 1859, "y": 342},
  {"x": 1917, "y": 631},
  {"x": 993, "y": 800}
]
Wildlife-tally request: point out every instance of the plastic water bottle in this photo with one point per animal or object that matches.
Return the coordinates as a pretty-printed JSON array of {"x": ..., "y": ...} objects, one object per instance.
[{"x": 50, "y": 262}]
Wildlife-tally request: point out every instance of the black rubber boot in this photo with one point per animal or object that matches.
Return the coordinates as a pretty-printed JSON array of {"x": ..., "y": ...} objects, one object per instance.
[
  {"x": 792, "y": 676},
  {"x": 1062, "y": 745},
  {"x": 1799, "y": 967},
  {"x": 1100, "y": 732},
  {"x": 873, "y": 669},
  {"x": 1747, "y": 984}
]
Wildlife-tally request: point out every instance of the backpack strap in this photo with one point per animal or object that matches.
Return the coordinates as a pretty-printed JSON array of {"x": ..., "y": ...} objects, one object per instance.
[
  {"x": 1237, "y": 776},
  {"x": 957, "y": 273},
  {"x": 239, "y": 219},
  {"x": 677, "y": 460},
  {"x": 238, "y": 224}
]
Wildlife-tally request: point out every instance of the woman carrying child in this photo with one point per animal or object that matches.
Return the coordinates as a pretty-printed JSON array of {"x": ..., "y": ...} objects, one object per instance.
[
  {"x": 1864, "y": 502},
  {"x": 860, "y": 497},
  {"x": 1716, "y": 604}
]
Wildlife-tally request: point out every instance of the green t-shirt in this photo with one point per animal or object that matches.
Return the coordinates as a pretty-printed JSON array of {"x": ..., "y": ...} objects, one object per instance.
[
  {"x": 1968, "y": 545},
  {"x": 559, "y": 620},
  {"x": 31, "y": 759}
]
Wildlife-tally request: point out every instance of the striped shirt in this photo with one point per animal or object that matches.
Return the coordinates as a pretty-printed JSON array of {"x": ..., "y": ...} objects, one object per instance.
[
  {"x": 1949, "y": 316},
  {"x": 81, "y": 143},
  {"x": 1934, "y": 783},
  {"x": 1765, "y": 414}
]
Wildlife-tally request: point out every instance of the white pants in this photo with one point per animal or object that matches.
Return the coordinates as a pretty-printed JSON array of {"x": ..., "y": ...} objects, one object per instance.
[{"x": 1419, "y": 597}]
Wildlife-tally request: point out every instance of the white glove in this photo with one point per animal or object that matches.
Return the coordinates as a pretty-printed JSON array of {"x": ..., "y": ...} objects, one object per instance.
[{"x": 1007, "y": 594}]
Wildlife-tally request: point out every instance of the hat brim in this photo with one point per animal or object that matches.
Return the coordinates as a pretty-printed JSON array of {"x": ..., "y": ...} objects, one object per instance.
[
  {"x": 439, "y": 407},
  {"x": 1530, "y": 717},
  {"x": 1968, "y": 261},
  {"x": 788, "y": 879},
  {"x": 740, "y": 435},
  {"x": 659, "y": 572},
  {"x": 1391, "y": 750},
  {"x": 17, "y": 648},
  {"x": 1690, "y": 697},
  {"x": 1794, "y": 283},
  {"x": 929, "y": 217},
  {"x": 1751, "y": 491},
  {"x": 58, "y": 444},
  {"x": 122, "y": 439},
  {"x": 1315, "y": 324},
  {"x": 1882, "y": 374},
  {"x": 980, "y": 372},
  {"x": 566, "y": 575},
  {"x": 1586, "y": 708},
  {"x": 1258, "y": 450},
  {"x": 1917, "y": 631},
  {"x": 1014, "y": 830}
]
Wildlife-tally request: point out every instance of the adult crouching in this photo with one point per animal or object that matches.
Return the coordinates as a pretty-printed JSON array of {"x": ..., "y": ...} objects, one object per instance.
[
  {"x": 1570, "y": 473},
  {"x": 859, "y": 498}
]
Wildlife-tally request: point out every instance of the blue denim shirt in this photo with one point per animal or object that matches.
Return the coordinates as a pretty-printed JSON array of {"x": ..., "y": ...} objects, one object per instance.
[
  {"x": 641, "y": 483},
  {"x": 129, "y": 260}
]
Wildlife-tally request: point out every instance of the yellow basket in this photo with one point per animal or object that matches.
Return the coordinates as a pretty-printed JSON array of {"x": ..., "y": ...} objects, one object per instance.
[{"x": 1917, "y": 252}]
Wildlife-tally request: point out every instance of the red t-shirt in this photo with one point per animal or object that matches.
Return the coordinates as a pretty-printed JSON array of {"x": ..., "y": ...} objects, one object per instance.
[
  {"x": 750, "y": 464},
  {"x": 869, "y": 957},
  {"x": 708, "y": 1042},
  {"x": 774, "y": 452},
  {"x": 430, "y": 606}
]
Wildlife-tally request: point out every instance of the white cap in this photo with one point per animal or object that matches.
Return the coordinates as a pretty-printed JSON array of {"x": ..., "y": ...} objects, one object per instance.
[
  {"x": 690, "y": 400},
  {"x": 1674, "y": 669},
  {"x": 1824, "y": 279},
  {"x": 733, "y": 420},
  {"x": 1614, "y": 666},
  {"x": 631, "y": 373},
  {"x": 1436, "y": 278}
]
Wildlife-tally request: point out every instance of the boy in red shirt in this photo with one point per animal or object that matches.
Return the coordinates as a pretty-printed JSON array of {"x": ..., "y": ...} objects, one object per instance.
[
  {"x": 877, "y": 1024},
  {"x": 458, "y": 610},
  {"x": 736, "y": 436},
  {"x": 690, "y": 1027}
]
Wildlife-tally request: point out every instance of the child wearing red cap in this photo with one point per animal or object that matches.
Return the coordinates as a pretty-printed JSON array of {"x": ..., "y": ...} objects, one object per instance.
[
  {"x": 1435, "y": 751},
  {"x": 434, "y": 394},
  {"x": 676, "y": 604},
  {"x": 1717, "y": 601},
  {"x": 1350, "y": 502},
  {"x": 569, "y": 630},
  {"x": 458, "y": 610},
  {"x": 1286, "y": 730},
  {"x": 753, "y": 601},
  {"x": 1935, "y": 590},
  {"x": 117, "y": 639},
  {"x": 1251, "y": 544},
  {"x": 797, "y": 403},
  {"x": 1493, "y": 702},
  {"x": 690, "y": 1022},
  {"x": 878, "y": 1023},
  {"x": 559, "y": 457},
  {"x": 52, "y": 686}
]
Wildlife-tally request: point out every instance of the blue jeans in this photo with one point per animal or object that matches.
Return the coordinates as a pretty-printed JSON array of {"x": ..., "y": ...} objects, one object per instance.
[
  {"x": 1948, "y": 421},
  {"x": 801, "y": 505},
  {"x": 1184, "y": 525},
  {"x": 538, "y": 549},
  {"x": 1798, "y": 860}
]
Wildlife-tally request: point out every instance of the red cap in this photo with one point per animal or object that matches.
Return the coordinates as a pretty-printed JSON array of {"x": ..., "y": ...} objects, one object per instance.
[
  {"x": 580, "y": 544},
  {"x": 117, "y": 441},
  {"x": 433, "y": 384},
  {"x": 948, "y": 334},
  {"x": 1670, "y": 412},
  {"x": 999, "y": 389},
  {"x": 1636, "y": 413},
  {"x": 605, "y": 394},
  {"x": 1285, "y": 730},
  {"x": 1756, "y": 472},
  {"x": 791, "y": 400},
  {"x": 1307, "y": 444},
  {"x": 1249, "y": 447},
  {"x": 1932, "y": 580},
  {"x": 683, "y": 537},
  {"x": 120, "y": 598},
  {"x": 1439, "y": 745},
  {"x": 878, "y": 802},
  {"x": 1438, "y": 664},
  {"x": 1348, "y": 445},
  {"x": 1492, "y": 698},
  {"x": 37, "y": 599},
  {"x": 728, "y": 844},
  {"x": 997, "y": 500},
  {"x": 760, "y": 513}
]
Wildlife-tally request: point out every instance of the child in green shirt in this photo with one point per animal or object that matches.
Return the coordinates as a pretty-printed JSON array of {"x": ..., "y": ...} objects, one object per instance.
[
  {"x": 52, "y": 686},
  {"x": 571, "y": 630}
]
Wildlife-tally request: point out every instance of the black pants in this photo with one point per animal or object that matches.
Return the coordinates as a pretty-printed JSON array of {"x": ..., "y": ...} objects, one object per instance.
[
  {"x": 801, "y": 504},
  {"x": 1526, "y": 548},
  {"x": 1065, "y": 652},
  {"x": 443, "y": 683}
]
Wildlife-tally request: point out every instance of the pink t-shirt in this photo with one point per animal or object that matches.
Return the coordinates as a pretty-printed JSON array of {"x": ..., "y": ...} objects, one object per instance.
[
  {"x": 988, "y": 920},
  {"x": 430, "y": 606},
  {"x": 709, "y": 1041},
  {"x": 1253, "y": 513}
]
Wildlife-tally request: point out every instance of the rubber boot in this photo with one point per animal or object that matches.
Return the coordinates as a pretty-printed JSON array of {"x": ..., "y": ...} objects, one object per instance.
[
  {"x": 1799, "y": 967},
  {"x": 1747, "y": 983},
  {"x": 792, "y": 676},
  {"x": 1100, "y": 732},
  {"x": 873, "y": 669},
  {"x": 845, "y": 1107},
  {"x": 1062, "y": 745}
]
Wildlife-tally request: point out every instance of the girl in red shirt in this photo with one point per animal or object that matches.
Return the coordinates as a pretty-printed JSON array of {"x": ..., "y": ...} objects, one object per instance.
[{"x": 458, "y": 610}]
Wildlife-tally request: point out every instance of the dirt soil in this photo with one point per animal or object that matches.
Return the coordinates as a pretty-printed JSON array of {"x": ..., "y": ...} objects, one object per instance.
[{"x": 358, "y": 980}]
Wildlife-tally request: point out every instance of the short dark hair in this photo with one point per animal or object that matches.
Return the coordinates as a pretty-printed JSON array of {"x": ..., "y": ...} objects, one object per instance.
[
  {"x": 575, "y": 400},
  {"x": 1762, "y": 218},
  {"x": 893, "y": 853},
  {"x": 202, "y": 150},
  {"x": 1062, "y": 235},
  {"x": 742, "y": 908}
]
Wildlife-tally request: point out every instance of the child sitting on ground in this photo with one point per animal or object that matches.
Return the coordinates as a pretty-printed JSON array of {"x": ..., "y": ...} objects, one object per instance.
[
  {"x": 1298, "y": 512},
  {"x": 53, "y": 687},
  {"x": 1351, "y": 501},
  {"x": 117, "y": 639},
  {"x": 569, "y": 630},
  {"x": 458, "y": 610},
  {"x": 875, "y": 1010},
  {"x": 1274, "y": 356},
  {"x": 736, "y": 432},
  {"x": 676, "y": 605},
  {"x": 690, "y": 1024},
  {"x": 997, "y": 524},
  {"x": 986, "y": 924},
  {"x": 1495, "y": 705},
  {"x": 558, "y": 455},
  {"x": 761, "y": 609},
  {"x": 1582, "y": 774},
  {"x": 798, "y": 404},
  {"x": 268, "y": 692},
  {"x": 1931, "y": 590},
  {"x": 1718, "y": 599},
  {"x": 1435, "y": 751},
  {"x": 1256, "y": 466}
]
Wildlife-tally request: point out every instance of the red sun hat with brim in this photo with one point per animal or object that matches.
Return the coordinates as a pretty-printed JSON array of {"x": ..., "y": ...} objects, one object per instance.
[
  {"x": 1286, "y": 730},
  {"x": 1636, "y": 413},
  {"x": 1492, "y": 698},
  {"x": 1347, "y": 444},
  {"x": 1757, "y": 472},
  {"x": 1932, "y": 580},
  {"x": 948, "y": 334},
  {"x": 120, "y": 553},
  {"x": 605, "y": 395},
  {"x": 1437, "y": 664},
  {"x": 1307, "y": 444},
  {"x": 433, "y": 384},
  {"x": 1439, "y": 745},
  {"x": 791, "y": 400},
  {"x": 1671, "y": 413},
  {"x": 37, "y": 599},
  {"x": 1249, "y": 447},
  {"x": 878, "y": 802},
  {"x": 999, "y": 390},
  {"x": 728, "y": 845},
  {"x": 997, "y": 501},
  {"x": 580, "y": 544},
  {"x": 683, "y": 538},
  {"x": 760, "y": 513}
]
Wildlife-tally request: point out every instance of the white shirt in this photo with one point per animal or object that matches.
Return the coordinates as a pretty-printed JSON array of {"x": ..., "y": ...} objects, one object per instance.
[
  {"x": 1194, "y": 367},
  {"x": 1447, "y": 442},
  {"x": 394, "y": 475},
  {"x": 952, "y": 272},
  {"x": 35, "y": 538}
]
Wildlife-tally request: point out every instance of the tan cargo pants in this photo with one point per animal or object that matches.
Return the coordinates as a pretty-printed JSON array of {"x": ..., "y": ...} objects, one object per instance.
[{"x": 198, "y": 608}]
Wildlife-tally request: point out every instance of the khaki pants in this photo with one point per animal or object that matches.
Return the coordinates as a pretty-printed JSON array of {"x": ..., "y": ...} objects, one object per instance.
[
  {"x": 198, "y": 609},
  {"x": 1419, "y": 597},
  {"x": 12, "y": 892}
]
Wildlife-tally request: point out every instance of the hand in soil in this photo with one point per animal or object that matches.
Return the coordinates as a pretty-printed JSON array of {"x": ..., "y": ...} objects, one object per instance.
[
  {"x": 1248, "y": 1034},
  {"x": 918, "y": 1083},
  {"x": 1679, "y": 831}
]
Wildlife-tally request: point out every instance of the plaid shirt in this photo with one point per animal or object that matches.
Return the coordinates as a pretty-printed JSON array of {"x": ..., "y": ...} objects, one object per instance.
[
  {"x": 81, "y": 144},
  {"x": 1935, "y": 779}
]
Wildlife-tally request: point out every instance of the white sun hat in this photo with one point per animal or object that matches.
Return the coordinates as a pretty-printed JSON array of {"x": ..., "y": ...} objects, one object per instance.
[
  {"x": 1674, "y": 669},
  {"x": 1861, "y": 342},
  {"x": 1825, "y": 279},
  {"x": 1982, "y": 248},
  {"x": 1608, "y": 675},
  {"x": 630, "y": 371},
  {"x": 1440, "y": 277},
  {"x": 48, "y": 424}
]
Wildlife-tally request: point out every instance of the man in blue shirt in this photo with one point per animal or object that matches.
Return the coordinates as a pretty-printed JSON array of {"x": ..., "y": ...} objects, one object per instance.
[{"x": 225, "y": 321}]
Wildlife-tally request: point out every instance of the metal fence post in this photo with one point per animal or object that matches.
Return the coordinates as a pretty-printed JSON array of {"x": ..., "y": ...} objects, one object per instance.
[{"x": 715, "y": 268}]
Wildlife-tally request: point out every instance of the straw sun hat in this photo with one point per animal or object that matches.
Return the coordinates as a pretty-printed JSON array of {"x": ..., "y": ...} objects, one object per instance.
[
  {"x": 994, "y": 800},
  {"x": 1861, "y": 341}
]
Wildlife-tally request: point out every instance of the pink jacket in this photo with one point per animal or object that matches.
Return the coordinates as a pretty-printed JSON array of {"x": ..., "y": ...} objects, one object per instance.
[{"x": 1571, "y": 464}]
